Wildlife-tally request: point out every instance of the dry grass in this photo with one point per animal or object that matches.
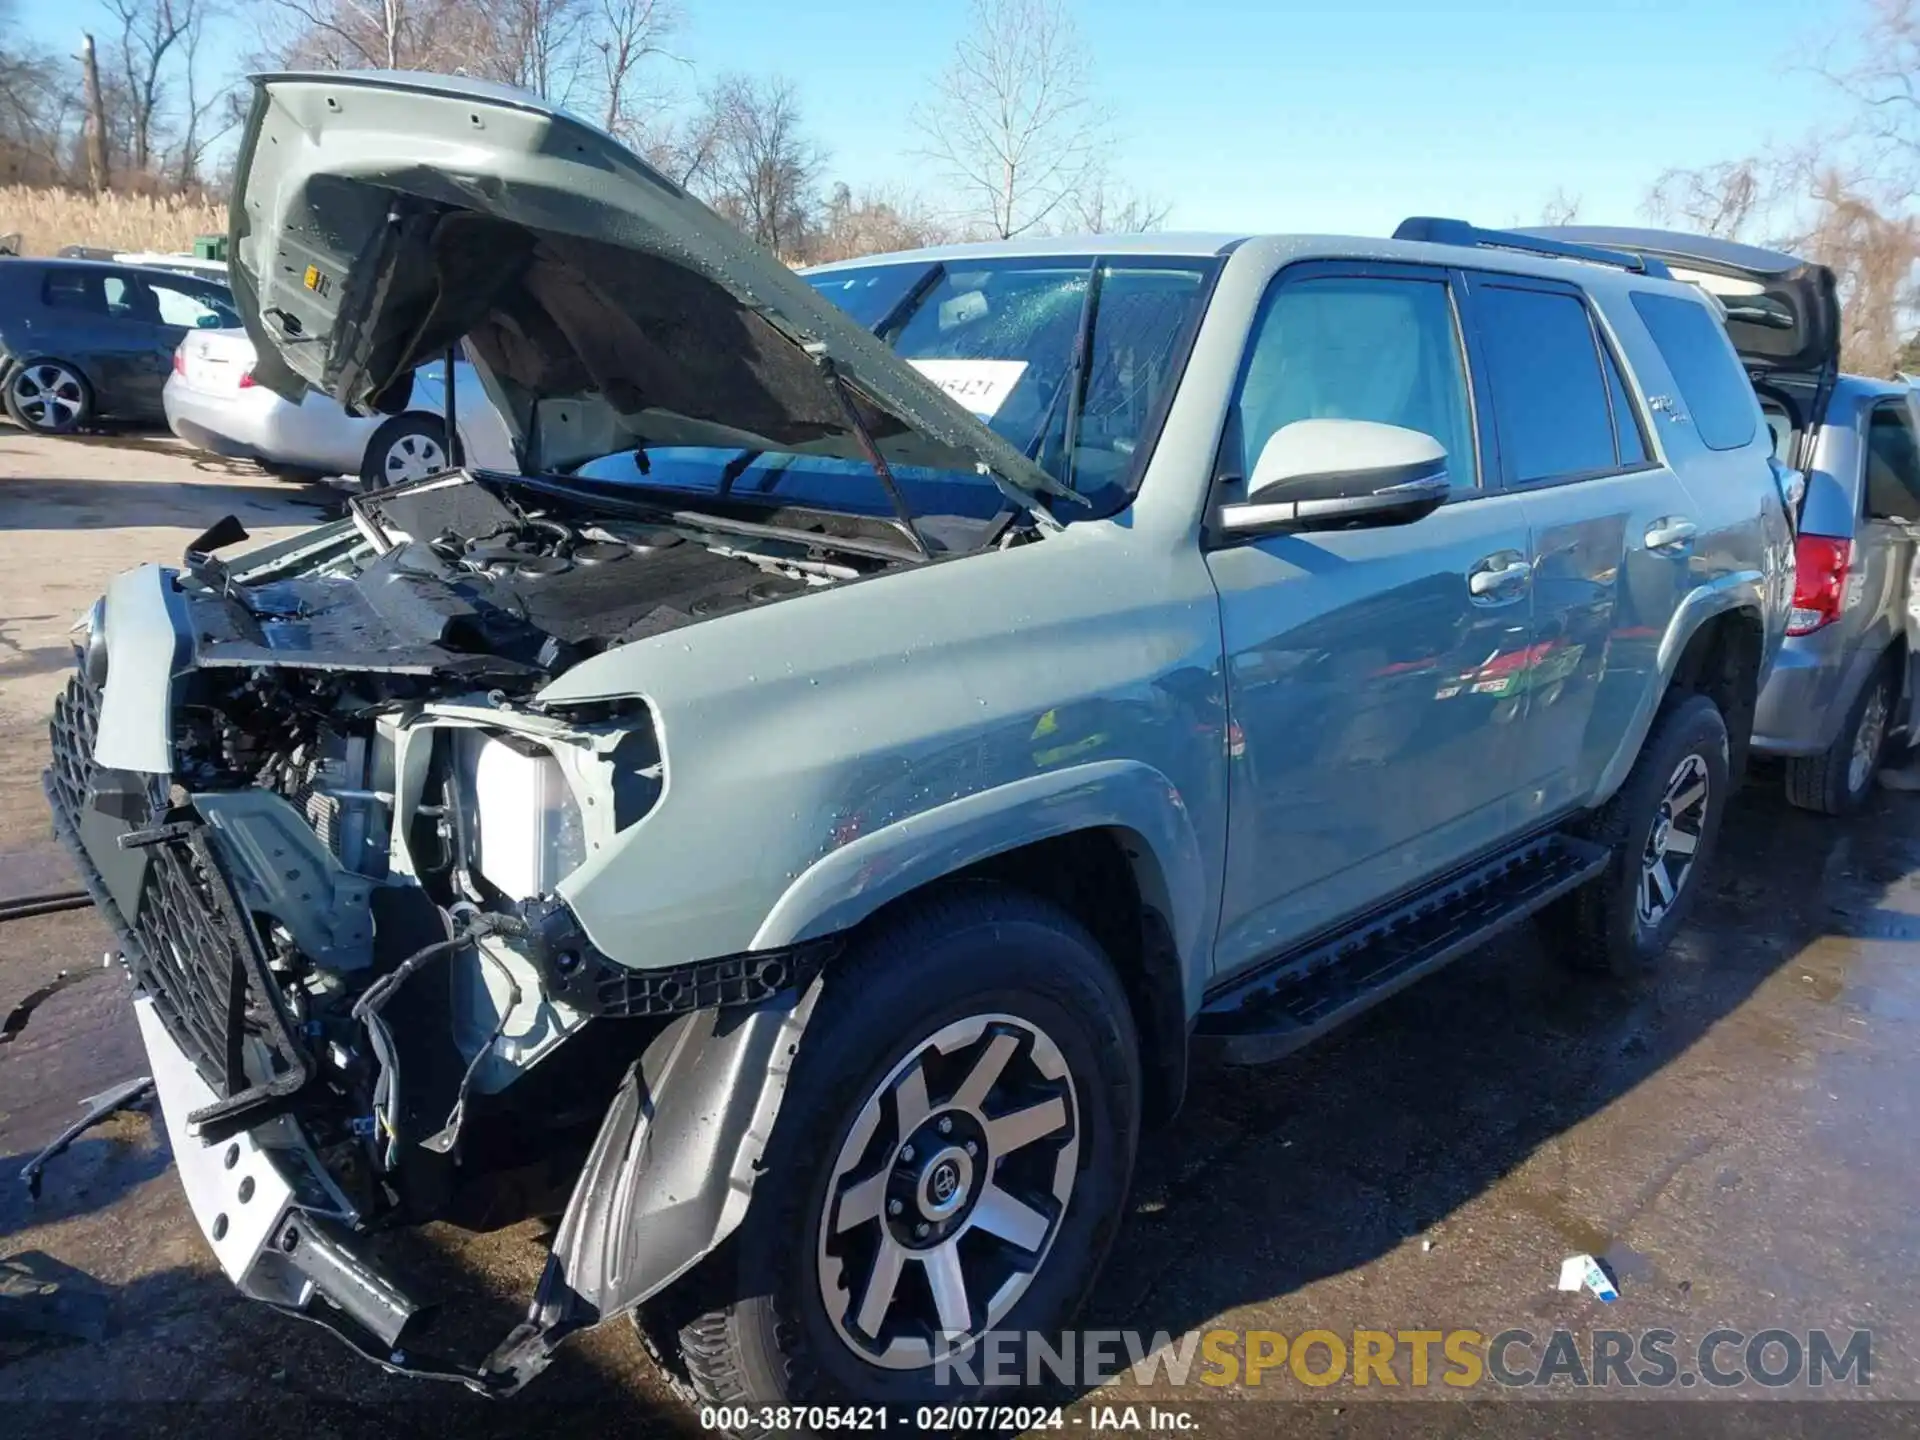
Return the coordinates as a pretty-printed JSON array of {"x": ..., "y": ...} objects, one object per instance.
[{"x": 48, "y": 219}]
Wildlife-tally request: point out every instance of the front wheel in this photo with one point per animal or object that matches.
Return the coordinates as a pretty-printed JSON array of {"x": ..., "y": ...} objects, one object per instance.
[
  {"x": 951, "y": 1158},
  {"x": 1660, "y": 827}
]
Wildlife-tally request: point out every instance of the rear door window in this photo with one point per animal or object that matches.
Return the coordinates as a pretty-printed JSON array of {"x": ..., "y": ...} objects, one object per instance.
[
  {"x": 1550, "y": 392},
  {"x": 1893, "y": 465},
  {"x": 73, "y": 290},
  {"x": 1713, "y": 386}
]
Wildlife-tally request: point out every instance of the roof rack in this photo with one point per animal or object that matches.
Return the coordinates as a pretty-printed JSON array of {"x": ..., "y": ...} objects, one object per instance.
[{"x": 1459, "y": 232}]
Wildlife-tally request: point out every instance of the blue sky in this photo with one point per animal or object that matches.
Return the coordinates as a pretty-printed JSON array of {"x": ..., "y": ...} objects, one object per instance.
[{"x": 1308, "y": 115}]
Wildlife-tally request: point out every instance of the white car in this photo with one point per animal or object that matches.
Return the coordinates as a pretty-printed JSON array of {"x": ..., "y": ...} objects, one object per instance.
[{"x": 212, "y": 402}]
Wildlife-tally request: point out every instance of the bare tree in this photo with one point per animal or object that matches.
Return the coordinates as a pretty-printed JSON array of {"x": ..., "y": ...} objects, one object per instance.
[
  {"x": 150, "y": 31},
  {"x": 1012, "y": 120},
  {"x": 1881, "y": 75},
  {"x": 1102, "y": 207},
  {"x": 1871, "y": 247},
  {"x": 1560, "y": 209},
  {"x": 538, "y": 45},
  {"x": 873, "y": 223},
  {"x": 627, "y": 36},
  {"x": 369, "y": 34},
  {"x": 211, "y": 109},
  {"x": 40, "y": 109},
  {"x": 762, "y": 170},
  {"x": 1720, "y": 200}
]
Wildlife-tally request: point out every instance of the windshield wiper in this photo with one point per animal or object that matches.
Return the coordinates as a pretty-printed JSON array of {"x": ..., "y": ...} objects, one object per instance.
[{"x": 858, "y": 426}]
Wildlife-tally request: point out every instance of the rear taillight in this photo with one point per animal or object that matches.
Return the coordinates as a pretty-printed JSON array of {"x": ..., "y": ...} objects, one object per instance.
[
  {"x": 180, "y": 360},
  {"x": 246, "y": 378},
  {"x": 1819, "y": 582}
]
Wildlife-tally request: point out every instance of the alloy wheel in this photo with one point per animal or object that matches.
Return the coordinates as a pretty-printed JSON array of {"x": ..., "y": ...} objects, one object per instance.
[
  {"x": 1868, "y": 740},
  {"x": 1673, "y": 842},
  {"x": 48, "y": 396},
  {"x": 948, "y": 1191}
]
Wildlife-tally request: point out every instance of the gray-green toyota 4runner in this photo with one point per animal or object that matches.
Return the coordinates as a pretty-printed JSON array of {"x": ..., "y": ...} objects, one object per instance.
[{"x": 902, "y": 719}]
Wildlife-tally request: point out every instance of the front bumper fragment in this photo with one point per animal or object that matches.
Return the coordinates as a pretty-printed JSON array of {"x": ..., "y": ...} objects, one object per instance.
[{"x": 669, "y": 1177}]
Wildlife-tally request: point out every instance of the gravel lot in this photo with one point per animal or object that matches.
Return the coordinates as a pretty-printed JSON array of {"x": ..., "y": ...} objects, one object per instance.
[{"x": 1735, "y": 1136}]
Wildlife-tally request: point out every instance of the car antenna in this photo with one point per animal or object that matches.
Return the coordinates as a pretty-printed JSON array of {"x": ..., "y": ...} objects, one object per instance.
[{"x": 837, "y": 383}]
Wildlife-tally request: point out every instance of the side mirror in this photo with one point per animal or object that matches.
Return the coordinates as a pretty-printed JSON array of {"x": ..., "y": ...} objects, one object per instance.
[{"x": 1340, "y": 475}]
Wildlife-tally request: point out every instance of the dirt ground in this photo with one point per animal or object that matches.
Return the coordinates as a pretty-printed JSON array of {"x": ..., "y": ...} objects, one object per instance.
[{"x": 1735, "y": 1136}]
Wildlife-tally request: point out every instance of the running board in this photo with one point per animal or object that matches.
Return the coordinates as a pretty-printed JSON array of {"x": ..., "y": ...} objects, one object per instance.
[{"x": 1300, "y": 997}]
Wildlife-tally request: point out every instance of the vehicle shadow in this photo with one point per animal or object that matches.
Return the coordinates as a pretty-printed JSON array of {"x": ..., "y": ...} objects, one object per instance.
[
  {"x": 1273, "y": 1179},
  {"x": 233, "y": 1368},
  {"x": 67, "y": 503}
]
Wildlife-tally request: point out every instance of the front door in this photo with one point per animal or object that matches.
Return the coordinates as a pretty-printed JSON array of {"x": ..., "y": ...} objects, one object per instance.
[{"x": 1368, "y": 670}]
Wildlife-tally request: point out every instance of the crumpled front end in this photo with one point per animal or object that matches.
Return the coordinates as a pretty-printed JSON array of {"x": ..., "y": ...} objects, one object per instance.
[{"x": 333, "y": 880}]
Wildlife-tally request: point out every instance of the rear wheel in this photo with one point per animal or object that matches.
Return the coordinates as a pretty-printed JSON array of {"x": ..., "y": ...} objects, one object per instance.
[
  {"x": 1836, "y": 781},
  {"x": 49, "y": 396},
  {"x": 1661, "y": 827},
  {"x": 407, "y": 447},
  {"x": 952, "y": 1157}
]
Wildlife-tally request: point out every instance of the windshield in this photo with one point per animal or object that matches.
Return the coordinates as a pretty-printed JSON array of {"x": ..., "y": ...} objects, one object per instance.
[{"x": 1001, "y": 337}]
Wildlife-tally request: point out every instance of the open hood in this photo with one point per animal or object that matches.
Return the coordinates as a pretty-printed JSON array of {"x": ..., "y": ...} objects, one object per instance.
[
  {"x": 379, "y": 218},
  {"x": 1783, "y": 313}
]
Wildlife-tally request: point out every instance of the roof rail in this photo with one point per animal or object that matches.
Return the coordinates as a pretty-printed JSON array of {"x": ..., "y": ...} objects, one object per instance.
[{"x": 1459, "y": 232}]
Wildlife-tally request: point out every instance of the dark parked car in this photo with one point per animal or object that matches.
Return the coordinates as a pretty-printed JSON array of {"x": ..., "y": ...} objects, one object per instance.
[{"x": 82, "y": 340}]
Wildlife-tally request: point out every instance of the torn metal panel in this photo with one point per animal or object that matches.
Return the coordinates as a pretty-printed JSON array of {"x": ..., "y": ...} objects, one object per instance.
[{"x": 669, "y": 1177}]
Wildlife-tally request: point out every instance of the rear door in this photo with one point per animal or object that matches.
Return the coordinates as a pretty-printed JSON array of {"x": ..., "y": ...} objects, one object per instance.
[
  {"x": 142, "y": 343},
  {"x": 1372, "y": 718},
  {"x": 1609, "y": 523},
  {"x": 160, "y": 311}
]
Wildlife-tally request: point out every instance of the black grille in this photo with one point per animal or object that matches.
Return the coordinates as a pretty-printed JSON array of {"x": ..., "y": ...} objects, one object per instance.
[
  {"x": 190, "y": 946},
  {"x": 76, "y": 715}
]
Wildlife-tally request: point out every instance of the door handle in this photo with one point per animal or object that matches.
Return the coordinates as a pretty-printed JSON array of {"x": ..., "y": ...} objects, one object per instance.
[
  {"x": 1670, "y": 532},
  {"x": 1496, "y": 577}
]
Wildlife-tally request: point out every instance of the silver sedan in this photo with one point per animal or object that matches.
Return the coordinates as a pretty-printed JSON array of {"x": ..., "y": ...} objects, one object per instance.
[{"x": 212, "y": 402}]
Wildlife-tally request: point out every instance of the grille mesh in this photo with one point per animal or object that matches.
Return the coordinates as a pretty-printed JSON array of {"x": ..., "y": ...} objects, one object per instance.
[{"x": 189, "y": 944}]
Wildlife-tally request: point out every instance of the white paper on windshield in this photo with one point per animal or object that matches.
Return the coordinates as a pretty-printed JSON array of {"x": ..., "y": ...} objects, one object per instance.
[{"x": 982, "y": 386}]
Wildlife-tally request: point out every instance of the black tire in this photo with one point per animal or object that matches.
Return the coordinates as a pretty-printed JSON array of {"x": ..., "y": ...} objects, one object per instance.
[
  {"x": 394, "y": 452},
  {"x": 1827, "y": 782},
  {"x": 753, "y": 1325},
  {"x": 69, "y": 403},
  {"x": 1601, "y": 927}
]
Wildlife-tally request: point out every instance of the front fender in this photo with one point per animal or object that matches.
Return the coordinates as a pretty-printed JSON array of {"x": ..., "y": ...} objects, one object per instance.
[{"x": 841, "y": 889}]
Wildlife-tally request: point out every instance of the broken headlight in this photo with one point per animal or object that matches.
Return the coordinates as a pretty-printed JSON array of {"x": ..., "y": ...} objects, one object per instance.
[{"x": 520, "y": 827}]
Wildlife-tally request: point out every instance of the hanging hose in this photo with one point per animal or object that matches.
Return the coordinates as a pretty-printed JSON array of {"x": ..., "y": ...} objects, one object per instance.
[{"x": 50, "y": 903}]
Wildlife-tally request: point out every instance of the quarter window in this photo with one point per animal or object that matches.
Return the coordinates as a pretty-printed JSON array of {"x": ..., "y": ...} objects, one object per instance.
[
  {"x": 1712, "y": 384},
  {"x": 1549, "y": 391},
  {"x": 1629, "y": 443},
  {"x": 73, "y": 290},
  {"x": 1355, "y": 348},
  {"x": 1893, "y": 466}
]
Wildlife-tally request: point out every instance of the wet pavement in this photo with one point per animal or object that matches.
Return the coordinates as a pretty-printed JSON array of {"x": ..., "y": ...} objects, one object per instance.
[{"x": 1732, "y": 1136}]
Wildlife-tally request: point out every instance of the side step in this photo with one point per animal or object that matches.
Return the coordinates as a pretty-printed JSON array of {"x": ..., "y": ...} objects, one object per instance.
[{"x": 1304, "y": 994}]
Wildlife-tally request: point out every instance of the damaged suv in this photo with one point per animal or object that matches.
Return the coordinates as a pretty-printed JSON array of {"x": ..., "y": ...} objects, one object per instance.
[{"x": 803, "y": 826}]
